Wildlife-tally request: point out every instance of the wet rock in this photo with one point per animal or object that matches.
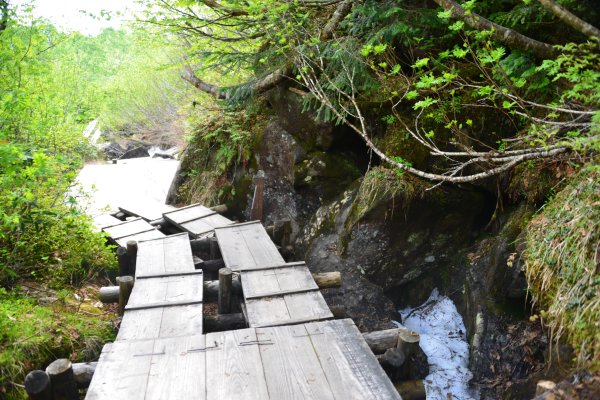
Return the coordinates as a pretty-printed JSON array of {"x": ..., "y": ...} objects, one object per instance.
[
  {"x": 304, "y": 126},
  {"x": 136, "y": 150}
]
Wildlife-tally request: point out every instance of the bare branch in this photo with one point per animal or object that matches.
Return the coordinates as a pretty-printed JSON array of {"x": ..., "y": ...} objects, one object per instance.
[
  {"x": 571, "y": 19},
  {"x": 502, "y": 34},
  {"x": 274, "y": 78}
]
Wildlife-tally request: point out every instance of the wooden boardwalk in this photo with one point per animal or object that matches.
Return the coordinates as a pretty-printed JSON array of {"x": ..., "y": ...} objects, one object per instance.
[
  {"x": 319, "y": 360},
  {"x": 197, "y": 220},
  {"x": 275, "y": 293},
  {"x": 136, "y": 229},
  {"x": 292, "y": 348}
]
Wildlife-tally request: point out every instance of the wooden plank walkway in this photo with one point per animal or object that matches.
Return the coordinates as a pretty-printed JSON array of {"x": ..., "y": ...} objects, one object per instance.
[
  {"x": 247, "y": 246},
  {"x": 102, "y": 221},
  {"x": 291, "y": 350},
  {"x": 276, "y": 293},
  {"x": 196, "y": 219},
  {"x": 150, "y": 211},
  {"x": 319, "y": 360},
  {"x": 136, "y": 229},
  {"x": 164, "y": 256}
]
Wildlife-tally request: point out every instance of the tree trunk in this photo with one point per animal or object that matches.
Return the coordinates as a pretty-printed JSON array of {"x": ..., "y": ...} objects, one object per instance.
[
  {"x": 512, "y": 38},
  {"x": 571, "y": 19}
]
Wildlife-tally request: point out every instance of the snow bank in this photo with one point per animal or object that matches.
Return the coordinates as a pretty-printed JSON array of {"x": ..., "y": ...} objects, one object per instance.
[{"x": 444, "y": 341}]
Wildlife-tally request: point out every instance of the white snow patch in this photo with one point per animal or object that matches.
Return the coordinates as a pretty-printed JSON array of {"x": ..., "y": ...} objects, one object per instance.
[{"x": 444, "y": 342}]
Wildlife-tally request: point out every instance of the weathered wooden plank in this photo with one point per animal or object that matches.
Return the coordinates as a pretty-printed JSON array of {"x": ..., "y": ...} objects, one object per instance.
[
  {"x": 161, "y": 322},
  {"x": 287, "y": 309},
  {"x": 102, "y": 221},
  {"x": 309, "y": 305},
  {"x": 281, "y": 280},
  {"x": 149, "y": 211},
  {"x": 234, "y": 367},
  {"x": 292, "y": 369},
  {"x": 174, "y": 290},
  {"x": 153, "y": 234},
  {"x": 122, "y": 371},
  {"x": 171, "y": 254},
  {"x": 247, "y": 247},
  {"x": 351, "y": 368},
  {"x": 128, "y": 228},
  {"x": 205, "y": 224},
  {"x": 189, "y": 213},
  {"x": 267, "y": 311},
  {"x": 178, "y": 369}
]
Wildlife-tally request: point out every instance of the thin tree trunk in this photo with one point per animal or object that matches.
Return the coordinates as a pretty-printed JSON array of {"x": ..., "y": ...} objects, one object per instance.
[
  {"x": 502, "y": 34},
  {"x": 571, "y": 19}
]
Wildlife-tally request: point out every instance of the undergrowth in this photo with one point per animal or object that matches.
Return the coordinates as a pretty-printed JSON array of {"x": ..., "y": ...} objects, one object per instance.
[
  {"x": 33, "y": 335},
  {"x": 561, "y": 265},
  {"x": 221, "y": 143}
]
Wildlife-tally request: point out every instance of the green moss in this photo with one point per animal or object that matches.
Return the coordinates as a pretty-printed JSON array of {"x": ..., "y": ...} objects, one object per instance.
[
  {"x": 397, "y": 142},
  {"x": 33, "y": 335},
  {"x": 379, "y": 186},
  {"x": 561, "y": 266},
  {"x": 221, "y": 142}
]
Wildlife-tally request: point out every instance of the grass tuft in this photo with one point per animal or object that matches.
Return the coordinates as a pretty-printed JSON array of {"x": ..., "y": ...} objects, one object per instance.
[{"x": 562, "y": 265}]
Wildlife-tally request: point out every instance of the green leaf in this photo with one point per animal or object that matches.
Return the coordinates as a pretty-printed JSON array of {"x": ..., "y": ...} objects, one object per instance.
[{"x": 421, "y": 62}]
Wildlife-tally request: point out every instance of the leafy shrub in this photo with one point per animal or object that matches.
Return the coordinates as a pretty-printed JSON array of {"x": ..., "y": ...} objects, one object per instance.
[{"x": 41, "y": 233}]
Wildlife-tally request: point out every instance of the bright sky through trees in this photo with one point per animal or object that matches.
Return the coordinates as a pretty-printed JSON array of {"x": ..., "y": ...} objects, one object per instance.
[{"x": 86, "y": 16}]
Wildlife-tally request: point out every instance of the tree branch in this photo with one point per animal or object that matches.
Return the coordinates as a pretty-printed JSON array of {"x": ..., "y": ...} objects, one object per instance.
[
  {"x": 276, "y": 77},
  {"x": 571, "y": 19},
  {"x": 502, "y": 34}
]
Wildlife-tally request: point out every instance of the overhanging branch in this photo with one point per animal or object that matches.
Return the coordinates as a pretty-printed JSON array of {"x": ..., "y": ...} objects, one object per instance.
[
  {"x": 502, "y": 34},
  {"x": 571, "y": 19}
]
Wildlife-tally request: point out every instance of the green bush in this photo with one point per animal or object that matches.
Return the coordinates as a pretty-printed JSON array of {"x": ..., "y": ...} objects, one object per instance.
[{"x": 41, "y": 233}]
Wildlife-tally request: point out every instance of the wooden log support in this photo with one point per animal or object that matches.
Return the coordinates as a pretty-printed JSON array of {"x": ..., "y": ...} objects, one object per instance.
[
  {"x": 324, "y": 280},
  {"x": 62, "y": 380},
  {"x": 125, "y": 288},
  {"x": 200, "y": 246},
  {"x": 327, "y": 280},
  {"x": 132, "y": 249},
  {"x": 37, "y": 385},
  {"x": 214, "y": 250},
  {"x": 224, "y": 322},
  {"x": 411, "y": 390},
  {"x": 221, "y": 208},
  {"x": 225, "y": 289},
  {"x": 123, "y": 261},
  {"x": 393, "y": 346},
  {"x": 212, "y": 265},
  {"x": 256, "y": 214},
  {"x": 109, "y": 294},
  {"x": 83, "y": 373}
]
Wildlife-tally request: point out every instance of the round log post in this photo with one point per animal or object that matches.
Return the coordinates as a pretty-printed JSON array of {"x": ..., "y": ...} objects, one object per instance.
[
  {"x": 224, "y": 322},
  {"x": 214, "y": 250},
  {"x": 37, "y": 385},
  {"x": 125, "y": 287},
  {"x": 132, "y": 248},
  {"x": 62, "y": 380},
  {"x": 225, "y": 285},
  {"x": 326, "y": 280},
  {"x": 83, "y": 373},
  {"x": 221, "y": 208},
  {"x": 109, "y": 294},
  {"x": 123, "y": 261},
  {"x": 408, "y": 341},
  {"x": 258, "y": 200}
]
